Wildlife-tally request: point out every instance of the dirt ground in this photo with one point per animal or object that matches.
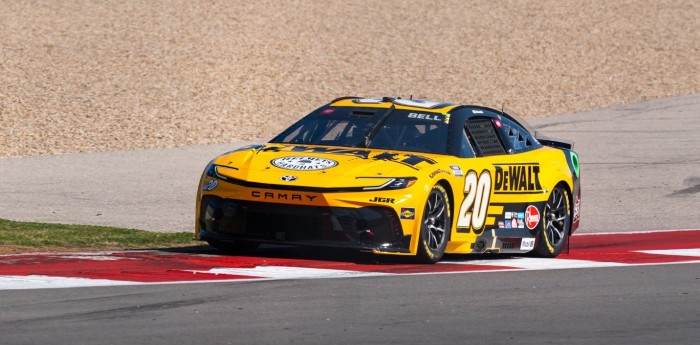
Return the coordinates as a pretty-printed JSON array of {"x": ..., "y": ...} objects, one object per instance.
[{"x": 85, "y": 76}]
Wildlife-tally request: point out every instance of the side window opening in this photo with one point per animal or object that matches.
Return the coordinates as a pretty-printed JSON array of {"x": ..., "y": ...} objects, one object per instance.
[
  {"x": 466, "y": 147},
  {"x": 483, "y": 137},
  {"x": 515, "y": 138}
]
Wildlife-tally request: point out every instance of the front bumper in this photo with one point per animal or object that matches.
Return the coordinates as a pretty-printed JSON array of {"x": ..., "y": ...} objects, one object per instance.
[{"x": 373, "y": 228}]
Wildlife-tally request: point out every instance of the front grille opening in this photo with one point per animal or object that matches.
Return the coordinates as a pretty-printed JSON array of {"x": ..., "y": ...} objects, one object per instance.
[{"x": 367, "y": 226}]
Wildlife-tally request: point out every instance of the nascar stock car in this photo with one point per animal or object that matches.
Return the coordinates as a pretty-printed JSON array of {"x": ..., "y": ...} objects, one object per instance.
[{"x": 396, "y": 176}]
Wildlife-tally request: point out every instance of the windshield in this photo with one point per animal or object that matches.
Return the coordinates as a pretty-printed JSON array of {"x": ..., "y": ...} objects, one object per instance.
[{"x": 352, "y": 127}]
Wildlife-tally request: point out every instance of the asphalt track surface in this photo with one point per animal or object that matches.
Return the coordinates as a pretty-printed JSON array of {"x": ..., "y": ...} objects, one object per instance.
[
  {"x": 640, "y": 170},
  {"x": 654, "y": 304}
]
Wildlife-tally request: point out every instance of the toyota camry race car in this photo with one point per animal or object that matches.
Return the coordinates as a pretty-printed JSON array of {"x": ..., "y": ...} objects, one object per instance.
[{"x": 396, "y": 176}]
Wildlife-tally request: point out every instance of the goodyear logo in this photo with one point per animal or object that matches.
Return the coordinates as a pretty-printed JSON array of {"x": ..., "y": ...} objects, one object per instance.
[
  {"x": 517, "y": 178},
  {"x": 439, "y": 171},
  {"x": 408, "y": 213}
]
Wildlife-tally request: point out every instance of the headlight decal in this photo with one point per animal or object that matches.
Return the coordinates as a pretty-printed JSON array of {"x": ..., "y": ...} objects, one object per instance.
[{"x": 394, "y": 183}]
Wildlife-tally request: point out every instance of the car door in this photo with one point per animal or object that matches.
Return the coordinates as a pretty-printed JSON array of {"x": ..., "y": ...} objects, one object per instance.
[{"x": 501, "y": 180}]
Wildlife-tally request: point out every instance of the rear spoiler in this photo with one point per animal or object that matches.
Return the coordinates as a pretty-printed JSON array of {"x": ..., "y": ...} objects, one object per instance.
[{"x": 556, "y": 143}]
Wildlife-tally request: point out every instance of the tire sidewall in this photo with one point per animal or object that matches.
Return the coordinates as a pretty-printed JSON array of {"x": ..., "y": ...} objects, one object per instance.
[
  {"x": 424, "y": 251},
  {"x": 545, "y": 248}
]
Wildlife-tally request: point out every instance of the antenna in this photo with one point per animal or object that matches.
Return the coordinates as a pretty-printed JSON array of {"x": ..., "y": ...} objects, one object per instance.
[{"x": 411, "y": 98}]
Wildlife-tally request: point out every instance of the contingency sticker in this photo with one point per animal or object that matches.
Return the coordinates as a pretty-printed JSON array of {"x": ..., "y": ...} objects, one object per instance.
[
  {"x": 210, "y": 185},
  {"x": 532, "y": 217},
  {"x": 527, "y": 243},
  {"x": 514, "y": 220},
  {"x": 408, "y": 213}
]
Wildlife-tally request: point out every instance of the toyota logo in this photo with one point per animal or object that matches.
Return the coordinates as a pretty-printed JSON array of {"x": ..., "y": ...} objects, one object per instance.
[{"x": 288, "y": 178}]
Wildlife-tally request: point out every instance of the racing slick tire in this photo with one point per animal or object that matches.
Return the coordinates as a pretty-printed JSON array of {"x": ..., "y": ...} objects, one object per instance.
[
  {"x": 435, "y": 225},
  {"x": 556, "y": 224},
  {"x": 234, "y": 247}
]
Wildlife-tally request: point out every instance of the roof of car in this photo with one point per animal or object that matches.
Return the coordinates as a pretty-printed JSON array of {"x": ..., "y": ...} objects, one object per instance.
[
  {"x": 425, "y": 106},
  {"x": 399, "y": 103}
]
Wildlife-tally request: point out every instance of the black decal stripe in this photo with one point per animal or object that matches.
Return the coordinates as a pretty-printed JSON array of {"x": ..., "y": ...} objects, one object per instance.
[
  {"x": 525, "y": 192},
  {"x": 259, "y": 185},
  {"x": 249, "y": 184}
]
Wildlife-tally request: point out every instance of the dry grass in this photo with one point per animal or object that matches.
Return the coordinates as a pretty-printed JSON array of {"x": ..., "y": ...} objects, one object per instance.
[{"x": 80, "y": 76}]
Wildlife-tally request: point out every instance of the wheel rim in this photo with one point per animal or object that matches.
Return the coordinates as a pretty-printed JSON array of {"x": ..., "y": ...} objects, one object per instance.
[
  {"x": 435, "y": 220},
  {"x": 557, "y": 212}
]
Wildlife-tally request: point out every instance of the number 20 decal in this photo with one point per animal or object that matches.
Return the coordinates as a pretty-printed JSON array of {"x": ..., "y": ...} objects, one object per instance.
[{"x": 477, "y": 190}]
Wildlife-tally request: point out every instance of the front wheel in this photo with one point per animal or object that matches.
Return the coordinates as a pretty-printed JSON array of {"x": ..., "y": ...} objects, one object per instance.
[
  {"x": 435, "y": 226},
  {"x": 556, "y": 224}
]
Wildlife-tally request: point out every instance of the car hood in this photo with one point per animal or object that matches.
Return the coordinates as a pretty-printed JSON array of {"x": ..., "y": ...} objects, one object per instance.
[{"x": 320, "y": 166}]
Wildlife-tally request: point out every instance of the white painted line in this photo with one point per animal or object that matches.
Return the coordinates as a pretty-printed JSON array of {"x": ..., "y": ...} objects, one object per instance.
[
  {"x": 46, "y": 282},
  {"x": 286, "y": 272},
  {"x": 676, "y": 252},
  {"x": 539, "y": 263}
]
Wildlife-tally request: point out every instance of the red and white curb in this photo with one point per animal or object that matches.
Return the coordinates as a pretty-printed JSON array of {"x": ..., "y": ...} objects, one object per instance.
[{"x": 34, "y": 271}]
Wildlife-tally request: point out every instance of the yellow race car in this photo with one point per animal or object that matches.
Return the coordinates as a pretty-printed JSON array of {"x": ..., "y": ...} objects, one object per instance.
[{"x": 399, "y": 177}]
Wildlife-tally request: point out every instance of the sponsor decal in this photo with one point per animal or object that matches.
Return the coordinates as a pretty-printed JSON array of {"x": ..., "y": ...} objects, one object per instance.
[
  {"x": 410, "y": 160},
  {"x": 210, "y": 185},
  {"x": 574, "y": 162},
  {"x": 281, "y": 196},
  {"x": 328, "y": 111},
  {"x": 433, "y": 117},
  {"x": 447, "y": 118},
  {"x": 517, "y": 178},
  {"x": 417, "y": 103},
  {"x": 367, "y": 100},
  {"x": 501, "y": 225},
  {"x": 527, "y": 243},
  {"x": 475, "y": 111},
  {"x": 498, "y": 123},
  {"x": 405, "y": 159},
  {"x": 288, "y": 178},
  {"x": 408, "y": 213},
  {"x": 514, "y": 220},
  {"x": 384, "y": 200},
  {"x": 577, "y": 208},
  {"x": 439, "y": 171},
  {"x": 305, "y": 163},
  {"x": 532, "y": 217},
  {"x": 456, "y": 170}
]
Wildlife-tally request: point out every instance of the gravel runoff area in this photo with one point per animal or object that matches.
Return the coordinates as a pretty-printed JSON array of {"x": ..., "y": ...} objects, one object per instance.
[{"x": 86, "y": 76}]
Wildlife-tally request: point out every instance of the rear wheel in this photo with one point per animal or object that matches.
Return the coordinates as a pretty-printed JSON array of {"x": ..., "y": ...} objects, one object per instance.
[
  {"x": 435, "y": 226},
  {"x": 556, "y": 224}
]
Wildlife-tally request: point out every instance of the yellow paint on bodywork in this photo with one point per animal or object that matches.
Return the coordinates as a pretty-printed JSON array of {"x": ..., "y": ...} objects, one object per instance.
[{"x": 374, "y": 172}]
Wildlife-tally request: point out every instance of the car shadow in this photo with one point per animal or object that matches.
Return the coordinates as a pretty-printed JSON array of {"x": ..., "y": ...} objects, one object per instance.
[{"x": 332, "y": 255}]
